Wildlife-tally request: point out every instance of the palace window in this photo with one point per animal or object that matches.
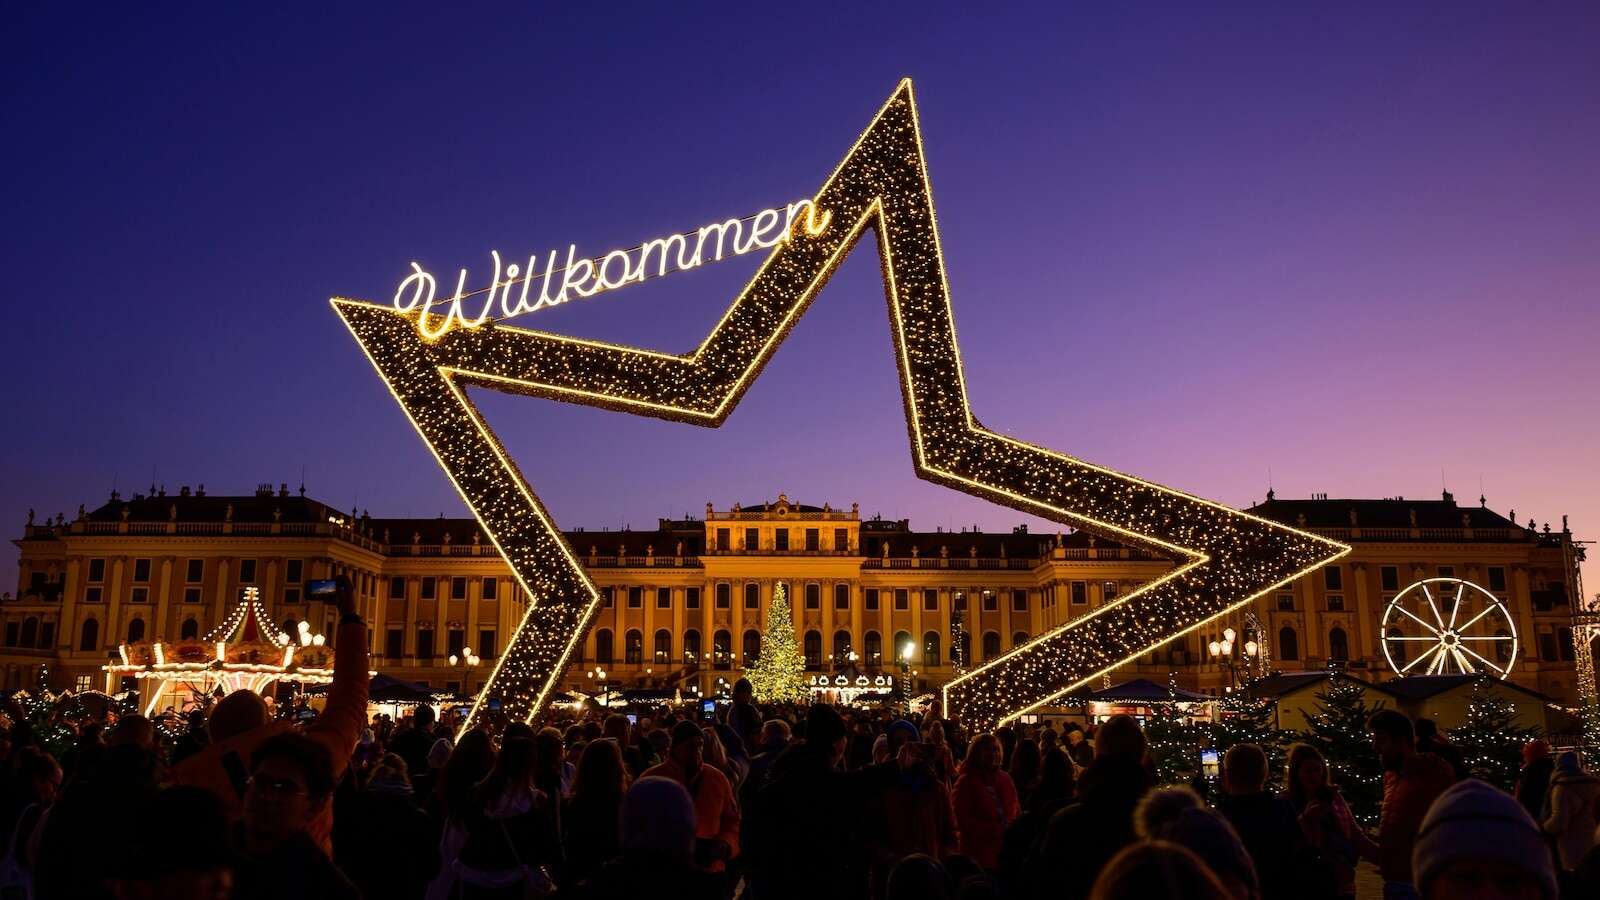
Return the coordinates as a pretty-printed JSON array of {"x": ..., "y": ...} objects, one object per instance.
[
  {"x": 1108, "y": 590},
  {"x": 1336, "y": 602},
  {"x": 30, "y": 632},
  {"x": 139, "y": 595},
  {"x": 724, "y": 540},
  {"x": 691, "y": 647},
  {"x": 813, "y": 596},
  {"x": 1547, "y": 647},
  {"x": 724, "y": 592},
  {"x": 135, "y": 631},
  {"x": 491, "y": 588},
  {"x": 871, "y": 599},
  {"x": 930, "y": 599},
  {"x": 293, "y": 571},
  {"x": 841, "y": 648},
  {"x": 430, "y": 588},
  {"x": 722, "y": 650},
  {"x": 1333, "y": 578},
  {"x": 97, "y": 570},
  {"x": 752, "y": 646},
  {"x": 780, "y": 539},
  {"x": 991, "y": 601},
  {"x": 633, "y": 647},
  {"x": 247, "y": 571},
  {"x": 930, "y": 649},
  {"x": 663, "y": 598},
  {"x": 394, "y": 642},
  {"x": 752, "y": 596},
  {"x": 903, "y": 647},
  {"x": 841, "y": 540},
  {"x": 813, "y": 539},
  {"x": 141, "y": 571},
  {"x": 1564, "y": 643},
  {"x": 458, "y": 588},
  {"x": 902, "y": 598},
  {"x": 1497, "y": 579},
  {"x": 635, "y": 597},
  {"x": 603, "y": 649},
  {"x": 195, "y": 571},
  {"x": 608, "y": 597},
  {"x": 397, "y": 588},
  {"x": 752, "y": 539},
  {"x": 425, "y": 643},
  {"x": 841, "y": 596},
  {"x": 1447, "y": 571},
  {"x": 1397, "y": 646},
  {"x": 1018, "y": 639},
  {"x": 1502, "y": 647},
  {"x": 189, "y": 631},
  {"x": 486, "y": 643},
  {"x": 1019, "y": 600},
  {"x": 813, "y": 651},
  {"x": 1389, "y": 578},
  {"x": 455, "y": 640},
  {"x": 1286, "y": 602},
  {"x": 93, "y": 594},
  {"x": 872, "y": 647},
  {"x": 691, "y": 598},
  {"x": 663, "y": 652},
  {"x": 991, "y": 645},
  {"x": 1288, "y": 644},
  {"x": 1338, "y": 645},
  {"x": 89, "y": 635},
  {"x": 11, "y": 633},
  {"x": 1080, "y": 592},
  {"x": 47, "y": 635}
]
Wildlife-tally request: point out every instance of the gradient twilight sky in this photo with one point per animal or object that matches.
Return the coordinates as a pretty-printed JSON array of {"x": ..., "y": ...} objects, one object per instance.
[{"x": 1358, "y": 248}]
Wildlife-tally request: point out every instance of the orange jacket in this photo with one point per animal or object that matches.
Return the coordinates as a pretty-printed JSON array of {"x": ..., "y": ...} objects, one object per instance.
[
  {"x": 715, "y": 815},
  {"x": 1407, "y": 794},
  {"x": 222, "y": 768}
]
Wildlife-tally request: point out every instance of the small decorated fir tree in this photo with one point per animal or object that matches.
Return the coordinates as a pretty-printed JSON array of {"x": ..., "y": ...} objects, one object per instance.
[
  {"x": 1243, "y": 720},
  {"x": 779, "y": 674},
  {"x": 1174, "y": 741},
  {"x": 1339, "y": 730},
  {"x": 1490, "y": 739}
]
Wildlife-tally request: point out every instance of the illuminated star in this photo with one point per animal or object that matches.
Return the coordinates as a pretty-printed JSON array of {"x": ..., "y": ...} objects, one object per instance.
[{"x": 1226, "y": 557}]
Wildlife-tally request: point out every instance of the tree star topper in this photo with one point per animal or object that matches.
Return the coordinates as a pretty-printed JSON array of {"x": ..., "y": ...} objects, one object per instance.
[{"x": 1227, "y": 557}]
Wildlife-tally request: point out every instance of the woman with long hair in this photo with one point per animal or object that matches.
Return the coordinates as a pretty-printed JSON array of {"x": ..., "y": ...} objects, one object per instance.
[
  {"x": 512, "y": 845},
  {"x": 1025, "y": 758},
  {"x": 1053, "y": 789},
  {"x": 1326, "y": 820},
  {"x": 985, "y": 802},
  {"x": 589, "y": 821}
]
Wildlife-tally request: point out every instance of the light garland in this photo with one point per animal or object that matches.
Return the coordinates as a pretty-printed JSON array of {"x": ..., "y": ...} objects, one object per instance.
[{"x": 1231, "y": 557}]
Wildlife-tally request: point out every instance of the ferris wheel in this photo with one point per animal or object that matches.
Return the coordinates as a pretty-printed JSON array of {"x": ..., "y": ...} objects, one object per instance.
[{"x": 1440, "y": 626}]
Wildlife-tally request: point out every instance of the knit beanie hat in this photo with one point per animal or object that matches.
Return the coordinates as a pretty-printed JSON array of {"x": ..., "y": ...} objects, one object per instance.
[
  {"x": 439, "y": 753},
  {"x": 1473, "y": 820},
  {"x": 912, "y": 734},
  {"x": 1568, "y": 763},
  {"x": 658, "y": 817}
]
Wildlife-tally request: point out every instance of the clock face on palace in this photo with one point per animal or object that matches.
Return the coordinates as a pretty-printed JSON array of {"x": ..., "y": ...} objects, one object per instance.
[{"x": 427, "y": 359}]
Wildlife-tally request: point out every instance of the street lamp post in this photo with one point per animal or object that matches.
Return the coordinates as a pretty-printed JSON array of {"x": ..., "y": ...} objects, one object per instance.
[
  {"x": 598, "y": 676},
  {"x": 905, "y": 669},
  {"x": 1223, "y": 653},
  {"x": 467, "y": 660}
]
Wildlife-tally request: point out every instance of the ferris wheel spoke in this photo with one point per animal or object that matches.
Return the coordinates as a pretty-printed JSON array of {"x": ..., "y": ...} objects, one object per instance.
[
  {"x": 1455, "y": 607},
  {"x": 1481, "y": 659},
  {"x": 1401, "y": 637},
  {"x": 1432, "y": 608},
  {"x": 1461, "y": 661},
  {"x": 1488, "y": 609},
  {"x": 1432, "y": 630},
  {"x": 1493, "y": 637},
  {"x": 1408, "y": 666}
]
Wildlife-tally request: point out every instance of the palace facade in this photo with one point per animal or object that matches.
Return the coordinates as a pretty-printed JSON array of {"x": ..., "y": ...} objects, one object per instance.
[{"x": 685, "y": 604}]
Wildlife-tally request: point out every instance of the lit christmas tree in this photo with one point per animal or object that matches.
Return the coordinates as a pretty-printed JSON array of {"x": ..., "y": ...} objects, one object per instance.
[
  {"x": 1339, "y": 730},
  {"x": 779, "y": 673},
  {"x": 1174, "y": 740},
  {"x": 1490, "y": 740},
  {"x": 1243, "y": 720},
  {"x": 958, "y": 644}
]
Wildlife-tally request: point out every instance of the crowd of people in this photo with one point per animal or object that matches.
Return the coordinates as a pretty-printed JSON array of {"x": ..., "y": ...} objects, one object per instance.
[{"x": 763, "y": 803}]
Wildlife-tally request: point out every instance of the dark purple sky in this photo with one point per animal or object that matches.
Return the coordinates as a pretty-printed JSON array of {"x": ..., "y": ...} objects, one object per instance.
[{"x": 1355, "y": 248}]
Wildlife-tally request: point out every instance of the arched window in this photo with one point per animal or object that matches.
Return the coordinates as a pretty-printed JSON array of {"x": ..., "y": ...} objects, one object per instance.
[
  {"x": 752, "y": 646},
  {"x": 841, "y": 648},
  {"x": 1338, "y": 645},
  {"x": 30, "y": 631},
  {"x": 189, "y": 631},
  {"x": 1564, "y": 643},
  {"x": 89, "y": 637},
  {"x": 903, "y": 648},
  {"x": 135, "y": 631},
  {"x": 1288, "y": 644},
  {"x": 1397, "y": 647},
  {"x": 1502, "y": 646},
  {"x": 930, "y": 649},
  {"x": 813, "y": 650},
  {"x": 991, "y": 645},
  {"x": 872, "y": 647},
  {"x": 1018, "y": 639},
  {"x": 663, "y": 654},
  {"x": 722, "y": 649},
  {"x": 602, "y": 646},
  {"x": 633, "y": 647},
  {"x": 691, "y": 647}
]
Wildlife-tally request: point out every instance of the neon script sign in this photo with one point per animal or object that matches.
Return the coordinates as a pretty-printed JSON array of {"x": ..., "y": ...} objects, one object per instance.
[{"x": 583, "y": 278}]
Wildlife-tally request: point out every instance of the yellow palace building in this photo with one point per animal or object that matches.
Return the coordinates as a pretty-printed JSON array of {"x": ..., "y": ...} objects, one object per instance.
[{"x": 1430, "y": 587}]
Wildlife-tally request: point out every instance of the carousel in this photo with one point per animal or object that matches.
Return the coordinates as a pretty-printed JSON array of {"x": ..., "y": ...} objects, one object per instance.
[
  {"x": 244, "y": 653},
  {"x": 850, "y": 686}
]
